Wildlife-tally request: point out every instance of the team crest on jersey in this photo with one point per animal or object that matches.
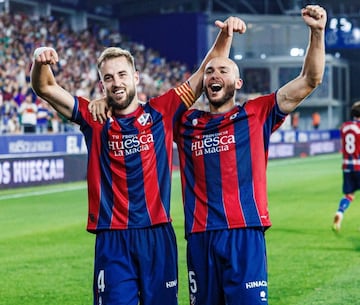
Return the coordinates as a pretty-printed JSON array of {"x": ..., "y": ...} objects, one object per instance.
[
  {"x": 194, "y": 122},
  {"x": 233, "y": 116},
  {"x": 145, "y": 119}
]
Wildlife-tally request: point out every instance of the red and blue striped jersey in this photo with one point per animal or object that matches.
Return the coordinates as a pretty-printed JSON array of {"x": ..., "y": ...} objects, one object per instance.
[
  {"x": 223, "y": 159},
  {"x": 350, "y": 144},
  {"x": 130, "y": 162}
]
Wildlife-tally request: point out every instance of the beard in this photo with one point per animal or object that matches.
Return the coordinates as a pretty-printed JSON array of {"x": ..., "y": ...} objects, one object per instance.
[
  {"x": 226, "y": 97},
  {"x": 117, "y": 105}
]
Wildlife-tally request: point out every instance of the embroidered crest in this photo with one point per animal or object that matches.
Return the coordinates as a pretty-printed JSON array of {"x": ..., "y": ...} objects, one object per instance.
[
  {"x": 233, "y": 116},
  {"x": 145, "y": 119}
]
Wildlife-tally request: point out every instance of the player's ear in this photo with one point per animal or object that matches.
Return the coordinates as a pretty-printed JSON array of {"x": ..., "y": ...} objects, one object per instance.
[
  {"x": 101, "y": 86},
  {"x": 137, "y": 77},
  {"x": 238, "y": 83}
]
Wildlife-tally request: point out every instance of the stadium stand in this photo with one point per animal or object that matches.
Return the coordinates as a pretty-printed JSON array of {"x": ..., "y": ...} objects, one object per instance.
[{"x": 21, "y": 34}]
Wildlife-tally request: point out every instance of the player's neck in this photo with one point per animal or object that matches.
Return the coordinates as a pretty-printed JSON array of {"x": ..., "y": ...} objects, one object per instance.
[
  {"x": 129, "y": 109},
  {"x": 215, "y": 109}
]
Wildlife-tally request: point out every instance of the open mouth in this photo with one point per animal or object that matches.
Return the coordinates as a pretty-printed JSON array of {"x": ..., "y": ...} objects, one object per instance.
[{"x": 215, "y": 87}]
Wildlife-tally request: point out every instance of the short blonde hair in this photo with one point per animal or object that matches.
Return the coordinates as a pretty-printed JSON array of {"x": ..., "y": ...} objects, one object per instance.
[
  {"x": 355, "y": 110},
  {"x": 114, "y": 52}
]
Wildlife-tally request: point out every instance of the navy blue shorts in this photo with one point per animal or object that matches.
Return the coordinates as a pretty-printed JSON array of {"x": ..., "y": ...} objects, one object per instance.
[
  {"x": 227, "y": 267},
  {"x": 136, "y": 266},
  {"x": 351, "y": 182}
]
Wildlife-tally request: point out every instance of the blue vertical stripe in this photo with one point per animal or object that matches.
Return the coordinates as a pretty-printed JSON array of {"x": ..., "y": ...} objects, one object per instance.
[
  {"x": 162, "y": 157},
  {"x": 245, "y": 158},
  {"x": 106, "y": 195},
  {"x": 189, "y": 195},
  {"x": 213, "y": 175}
]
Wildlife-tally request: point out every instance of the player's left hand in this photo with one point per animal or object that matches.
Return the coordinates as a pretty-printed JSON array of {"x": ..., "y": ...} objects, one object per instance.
[
  {"x": 231, "y": 25},
  {"x": 99, "y": 109},
  {"x": 314, "y": 16}
]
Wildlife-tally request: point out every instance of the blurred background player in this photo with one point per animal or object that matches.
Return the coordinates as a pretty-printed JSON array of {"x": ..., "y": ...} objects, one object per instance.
[{"x": 350, "y": 145}]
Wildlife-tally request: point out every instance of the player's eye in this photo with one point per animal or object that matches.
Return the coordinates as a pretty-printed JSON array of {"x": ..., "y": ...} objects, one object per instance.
[{"x": 107, "y": 78}]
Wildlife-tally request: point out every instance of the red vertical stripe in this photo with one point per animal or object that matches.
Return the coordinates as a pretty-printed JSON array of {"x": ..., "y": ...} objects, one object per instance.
[
  {"x": 151, "y": 187},
  {"x": 120, "y": 210},
  {"x": 201, "y": 208},
  {"x": 94, "y": 172},
  {"x": 230, "y": 187},
  {"x": 258, "y": 168}
]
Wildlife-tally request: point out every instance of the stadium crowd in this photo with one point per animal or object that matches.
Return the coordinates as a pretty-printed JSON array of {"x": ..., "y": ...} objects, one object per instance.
[{"x": 20, "y": 34}]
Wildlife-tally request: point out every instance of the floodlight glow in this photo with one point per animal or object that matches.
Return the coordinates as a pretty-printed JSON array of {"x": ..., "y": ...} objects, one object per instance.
[
  {"x": 296, "y": 52},
  {"x": 356, "y": 34},
  {"x": 333, "y": 23},
  {"x": 345, "y": 25}
]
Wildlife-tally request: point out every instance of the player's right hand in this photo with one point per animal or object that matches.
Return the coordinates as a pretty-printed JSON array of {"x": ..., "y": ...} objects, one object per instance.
[
  {"x": 99, "y": 109},
  {"x": 231, "y": 25},
  {"x": 46, "y": 56}
]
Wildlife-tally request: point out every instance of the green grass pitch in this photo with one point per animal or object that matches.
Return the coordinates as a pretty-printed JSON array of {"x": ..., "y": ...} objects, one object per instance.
[{"x": 46, "y": 256}]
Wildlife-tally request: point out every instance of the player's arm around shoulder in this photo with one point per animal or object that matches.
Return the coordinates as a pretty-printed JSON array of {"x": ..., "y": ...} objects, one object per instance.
[
  {"x": 293, "y": 93},
  {"x": 44, "y": 84}
]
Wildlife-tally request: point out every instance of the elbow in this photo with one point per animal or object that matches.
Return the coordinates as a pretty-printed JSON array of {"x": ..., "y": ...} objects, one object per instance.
[
  {"x": 314, "y": 82},
  {"x": 37, "y": 90},
  {"x": 35, "y": 85}
]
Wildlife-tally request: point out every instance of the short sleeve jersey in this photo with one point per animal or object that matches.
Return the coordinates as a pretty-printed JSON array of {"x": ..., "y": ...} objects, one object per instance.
[
  {"x": 223, "y": 160},
  {"x": 350, "y": 143},
  {"x": 130, "y": 162}
]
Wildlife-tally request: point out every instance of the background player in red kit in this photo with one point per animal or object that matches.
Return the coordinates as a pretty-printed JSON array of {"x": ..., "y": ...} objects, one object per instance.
[
  {"x": 350, "y": 139},
  {"x": 223, "y": 157},
  {"x": 129, "y": 172}
]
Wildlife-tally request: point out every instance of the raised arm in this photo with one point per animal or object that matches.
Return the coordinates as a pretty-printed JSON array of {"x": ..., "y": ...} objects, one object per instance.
[
  {"x": 293, "y": 93},
  {"x": 44, "y": 84},
  {"x": 220, "y": 48}
]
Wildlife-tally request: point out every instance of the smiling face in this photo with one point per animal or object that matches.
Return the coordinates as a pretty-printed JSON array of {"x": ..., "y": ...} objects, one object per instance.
[
  {"x": 119, "y": 79},
  {"x": 221, "y": 80}
]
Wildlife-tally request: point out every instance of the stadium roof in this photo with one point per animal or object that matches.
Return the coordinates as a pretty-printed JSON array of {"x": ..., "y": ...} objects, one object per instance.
[{"x": 124, "y": 8}]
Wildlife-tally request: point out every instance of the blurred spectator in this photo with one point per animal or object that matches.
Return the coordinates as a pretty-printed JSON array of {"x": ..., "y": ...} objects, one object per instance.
[
  {"x": 13, "y": 124},
  {"x": 295, "y": 117},
  {"x": 28, "y": 112},
  {"x": 8, "y": 109},
  {"x": 316, "y": 120},
  {"x": 56, "y": 124},
  {"x": 21, "y": 94},
  {"x": 43, "y": 117}
]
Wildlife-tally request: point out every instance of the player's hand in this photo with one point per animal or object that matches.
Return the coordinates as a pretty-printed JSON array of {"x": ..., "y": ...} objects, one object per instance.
[
  {"x": 46, "y": 56},
  {"x": 99, "y": 109},
  {"x": 232, "y": 25},
  {"x": 314, "y": 16}
]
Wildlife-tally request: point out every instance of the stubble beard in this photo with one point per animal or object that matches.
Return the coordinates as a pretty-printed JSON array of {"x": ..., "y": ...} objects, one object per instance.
[
  {"x": 115, "y": 105},
  {"x": 228, "y": 95}
]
